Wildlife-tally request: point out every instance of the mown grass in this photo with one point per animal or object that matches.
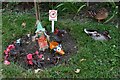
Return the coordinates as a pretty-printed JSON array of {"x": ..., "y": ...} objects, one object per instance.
[{"x": 102, "y": 57}]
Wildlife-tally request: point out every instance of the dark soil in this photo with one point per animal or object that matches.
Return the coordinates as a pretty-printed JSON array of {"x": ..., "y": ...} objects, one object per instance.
[{"x": 28, "y": 46}]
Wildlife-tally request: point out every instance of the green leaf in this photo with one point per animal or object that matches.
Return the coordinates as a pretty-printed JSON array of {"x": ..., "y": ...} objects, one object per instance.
[
  {"x": 81, "y": 8},
  {"x": 58, "y": 6}
]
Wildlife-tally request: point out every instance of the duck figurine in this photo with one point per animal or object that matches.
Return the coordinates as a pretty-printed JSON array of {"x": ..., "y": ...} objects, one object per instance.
[
  {"x": 56, "y": 48},
  {"x": 97, "y": 35},
  {"x": 99, "y": 14}
]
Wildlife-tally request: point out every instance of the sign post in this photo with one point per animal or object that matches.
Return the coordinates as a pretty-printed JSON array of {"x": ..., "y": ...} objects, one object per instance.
[
  {"x": 52, "y": 26},
  {"x": 52, "y": 17}
]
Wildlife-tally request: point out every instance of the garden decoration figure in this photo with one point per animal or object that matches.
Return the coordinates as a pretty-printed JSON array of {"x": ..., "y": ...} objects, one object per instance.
[
  {"x": 42, "y": 37},
  {"x": 57, "y": 48},
  {"x": 97, "y": 35}
]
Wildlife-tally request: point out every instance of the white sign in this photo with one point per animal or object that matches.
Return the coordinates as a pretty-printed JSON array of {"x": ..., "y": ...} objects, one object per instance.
[{"x": 52, "y": 15}]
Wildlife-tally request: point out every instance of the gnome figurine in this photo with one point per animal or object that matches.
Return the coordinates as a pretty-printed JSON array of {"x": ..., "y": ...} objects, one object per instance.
[{"x": 41, "y": 37}]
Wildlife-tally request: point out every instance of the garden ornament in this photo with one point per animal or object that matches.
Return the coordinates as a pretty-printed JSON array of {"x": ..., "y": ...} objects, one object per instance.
[
  {"x": 40, "y": 30},
  {"x": 39, "y": 27},
  {"x": 42, "y": 40},
  {"x": 97, "y": 35},
  {"x": 56, "y": 47},
  {"x": 59, "y": 50}
]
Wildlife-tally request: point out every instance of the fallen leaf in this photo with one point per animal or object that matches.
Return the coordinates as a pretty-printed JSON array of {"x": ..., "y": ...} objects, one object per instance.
[
  {"x": 37, "y": 70},
  {"x": 77, "y": 70},
  {"x": 111, "y": 69},
  {"x": 23, "y": 24},
  {"x": 82, "y": 60},
  {"x": 75, "y": 47},
  {"x": 13, "y": 35},
  {"x": 114, "y": 46}
]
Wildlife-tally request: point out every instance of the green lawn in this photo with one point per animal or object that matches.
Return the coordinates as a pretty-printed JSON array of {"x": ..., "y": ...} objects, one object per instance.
[{"x": 102, "y": 57}]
